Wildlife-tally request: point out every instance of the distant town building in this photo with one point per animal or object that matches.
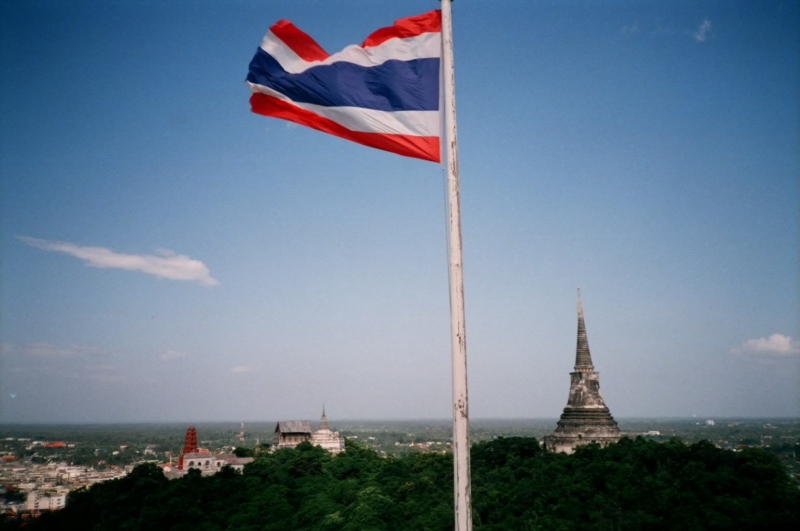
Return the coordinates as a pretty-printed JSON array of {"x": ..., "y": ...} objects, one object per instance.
[
  {"x": 37, "y": 501},
  {"x": 289, "y": 434},
  {"x": 585, "y": 419},
  {"x": 34, "y": 499}
]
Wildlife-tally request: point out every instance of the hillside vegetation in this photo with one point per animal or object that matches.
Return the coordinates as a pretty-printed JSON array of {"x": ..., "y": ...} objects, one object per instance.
[{"x": 636, "y": 484}]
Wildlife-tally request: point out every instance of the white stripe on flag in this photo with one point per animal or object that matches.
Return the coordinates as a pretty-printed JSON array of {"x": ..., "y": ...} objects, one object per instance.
[
  {"x": 416, "y": 123},
  {"x": 427, "y": 45}
]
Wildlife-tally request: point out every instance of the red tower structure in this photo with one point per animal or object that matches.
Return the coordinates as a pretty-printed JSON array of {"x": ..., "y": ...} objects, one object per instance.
[{"x": 189, "y": 445}]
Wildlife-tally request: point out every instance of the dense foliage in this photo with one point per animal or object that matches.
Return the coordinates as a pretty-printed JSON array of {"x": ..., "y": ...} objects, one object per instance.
[{"x": 636, "y": 484}]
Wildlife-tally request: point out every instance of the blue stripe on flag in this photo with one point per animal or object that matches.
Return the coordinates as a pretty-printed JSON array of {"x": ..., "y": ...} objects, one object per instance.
[{"x": 391, "y": 86}]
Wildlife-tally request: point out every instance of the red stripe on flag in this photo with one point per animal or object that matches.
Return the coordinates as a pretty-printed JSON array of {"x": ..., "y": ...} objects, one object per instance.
[
  {"x": 420, "y": 147},
  {"x": 303, "y": 45},
  {"x": 404, "y": 28}
]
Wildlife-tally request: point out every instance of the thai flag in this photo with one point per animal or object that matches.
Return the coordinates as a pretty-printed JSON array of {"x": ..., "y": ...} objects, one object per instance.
[{"x": 383, "y": 94}]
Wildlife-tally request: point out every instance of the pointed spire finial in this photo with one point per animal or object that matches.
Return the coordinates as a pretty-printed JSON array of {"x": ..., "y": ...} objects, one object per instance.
[
  {"x": 583, "y": 358},
  {"x": 323, "y": 422}
]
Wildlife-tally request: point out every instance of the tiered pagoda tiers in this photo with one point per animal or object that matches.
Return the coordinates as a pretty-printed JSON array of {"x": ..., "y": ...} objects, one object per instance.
[
  {"x": 189, "y": 445},
  {"x": 586, "y": 419}
]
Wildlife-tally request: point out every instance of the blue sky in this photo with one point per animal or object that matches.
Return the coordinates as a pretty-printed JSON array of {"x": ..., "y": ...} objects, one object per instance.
[{"x": 167, "y": 255}]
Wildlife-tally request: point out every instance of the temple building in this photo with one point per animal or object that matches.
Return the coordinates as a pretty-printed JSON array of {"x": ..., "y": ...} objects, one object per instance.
[
  {"x": 586, "y": 419},
  {"x": 289, "y": 434},
  {"x": 189, "y": 445},
  {"x": 201, "y": 459}
]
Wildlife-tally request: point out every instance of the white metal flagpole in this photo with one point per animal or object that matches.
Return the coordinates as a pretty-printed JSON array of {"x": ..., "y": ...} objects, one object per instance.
[{"x": 458, "y": 335}]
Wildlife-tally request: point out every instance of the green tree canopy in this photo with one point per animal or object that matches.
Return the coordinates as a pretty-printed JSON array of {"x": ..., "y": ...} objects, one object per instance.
[{"x": 635, "y": 484}]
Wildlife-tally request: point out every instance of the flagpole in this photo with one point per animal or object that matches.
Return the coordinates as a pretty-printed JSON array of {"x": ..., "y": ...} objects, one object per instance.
[{"x": 458, "y": 336}]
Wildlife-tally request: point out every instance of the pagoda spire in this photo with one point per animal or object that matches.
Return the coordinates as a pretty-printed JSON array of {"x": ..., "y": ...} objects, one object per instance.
[
  {"x": 586, "y": 418},
  {"x": 583, "y": 358},
  {"x": 323, "y": 422}
]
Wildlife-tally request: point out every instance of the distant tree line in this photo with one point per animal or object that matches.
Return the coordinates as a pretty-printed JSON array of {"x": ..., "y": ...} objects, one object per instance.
[{"x": 635, "y": 484}]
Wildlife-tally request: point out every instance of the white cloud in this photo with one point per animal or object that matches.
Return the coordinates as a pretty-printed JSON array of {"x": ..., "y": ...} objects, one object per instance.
[
  {"x": 171, "y": 355},
  {"x": 49, "y": 350},
  {"x": 632, "y": 29},
  {"x": 703, "y": 31},
  {"x": 166, "y": 264},
  {"x": 776, "y": 345},
  {"x": 98, "y": 372},
  {"x": 241, "y": 369},
  {"x": 75, "y": 361},
  {"x": 102, "y": 373}
]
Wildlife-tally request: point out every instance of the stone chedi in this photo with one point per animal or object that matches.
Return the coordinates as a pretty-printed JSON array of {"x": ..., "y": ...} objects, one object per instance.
[
  {"x": 586, "y": 419},
  {"x": 327, "y": 439}
]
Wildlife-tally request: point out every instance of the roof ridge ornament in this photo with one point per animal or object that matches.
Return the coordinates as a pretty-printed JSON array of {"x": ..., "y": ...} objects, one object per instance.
[{"x": 323, "y": 422}]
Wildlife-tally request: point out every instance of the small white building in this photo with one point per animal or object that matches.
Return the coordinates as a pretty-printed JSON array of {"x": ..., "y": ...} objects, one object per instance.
[
  {"x": 209, "y": 463},
  {"x": 33, "y": 500},
  {"x": 57, "y": 501},
  {"x": 37, "y": 501}
]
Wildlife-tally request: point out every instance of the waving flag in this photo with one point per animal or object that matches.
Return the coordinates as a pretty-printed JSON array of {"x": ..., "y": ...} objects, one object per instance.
[{"x": 383, "y": 94}]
